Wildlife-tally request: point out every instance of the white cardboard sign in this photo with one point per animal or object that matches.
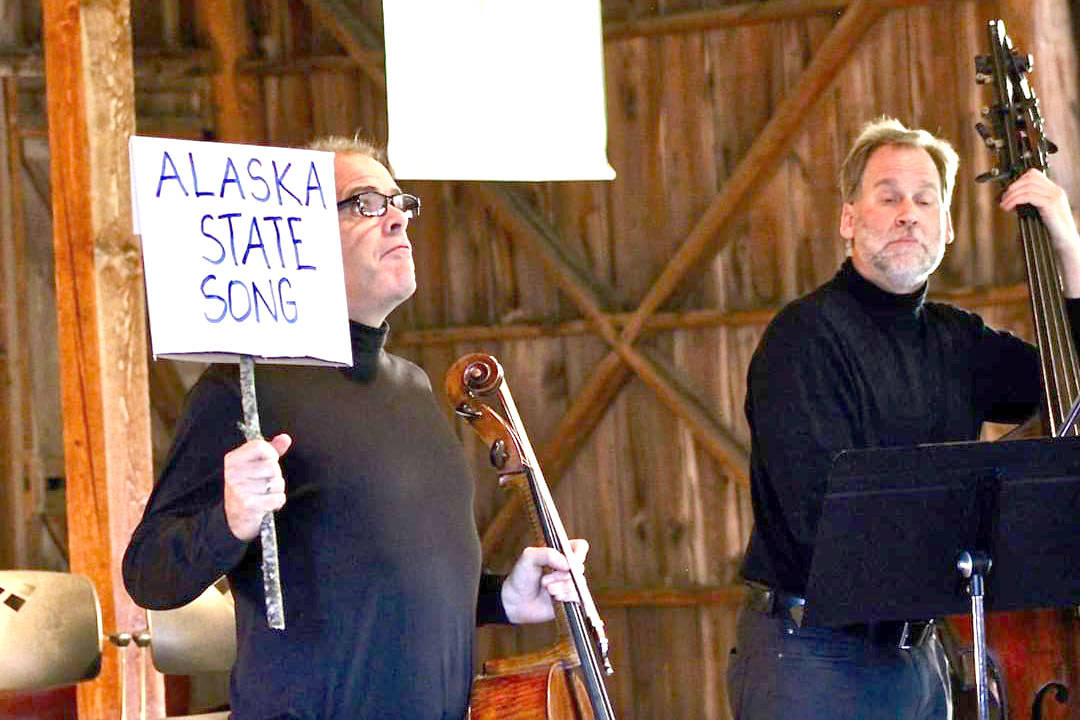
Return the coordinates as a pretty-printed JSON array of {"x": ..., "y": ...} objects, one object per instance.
[{"x": 241, "y": 251}]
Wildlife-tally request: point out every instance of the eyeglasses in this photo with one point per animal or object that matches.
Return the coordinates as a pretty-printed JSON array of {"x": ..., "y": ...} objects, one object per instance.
[{"x": 371, "y": 203}]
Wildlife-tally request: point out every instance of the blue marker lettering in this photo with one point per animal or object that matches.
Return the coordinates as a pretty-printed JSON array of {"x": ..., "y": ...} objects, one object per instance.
[
  {"x": 232, "y": 237},
  {"x": 258, "y": 178},
  {"x": 291, "y": 303},
  {"x": 235, "y": 179},
  {"x": 314, "y": 173},
  {"x": 232, "y": 305},
  {"x": 209, "y": 296},
  {"x": 277, "y": 234},
  {"x": 202, "y": 226},
  {"x": 253, "y": 232},
  {"x": 195, "y": 178},
  {"x": 174, "y": 176},
  {"x": 296, "y": 244},
  {"x": 279, "y": 181},
  {"x": 259, "y": 296}
]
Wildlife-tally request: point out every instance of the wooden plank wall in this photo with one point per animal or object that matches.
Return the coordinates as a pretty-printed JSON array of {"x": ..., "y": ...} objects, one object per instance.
[{"x": 667, "y": 521}]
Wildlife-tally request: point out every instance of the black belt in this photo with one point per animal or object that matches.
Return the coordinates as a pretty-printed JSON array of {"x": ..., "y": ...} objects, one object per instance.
[{"x": 777, "y": 603}]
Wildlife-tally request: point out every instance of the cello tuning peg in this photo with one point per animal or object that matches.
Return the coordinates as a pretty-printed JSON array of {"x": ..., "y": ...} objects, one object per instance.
[
  {"x": 983, "y": 65},
  {"x": 499, "y": 454},
  {"x": 464, "y": 411},
  {"x": 1051, "y": 147}
]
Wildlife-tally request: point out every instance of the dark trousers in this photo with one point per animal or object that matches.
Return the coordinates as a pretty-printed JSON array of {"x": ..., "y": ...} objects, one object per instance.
[{"x": 780, "y": 670}]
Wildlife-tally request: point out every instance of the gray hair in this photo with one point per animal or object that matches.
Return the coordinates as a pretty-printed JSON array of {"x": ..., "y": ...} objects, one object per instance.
[
  {"x": 355, "y": 145},
  {"x": 890, "y": 131}
]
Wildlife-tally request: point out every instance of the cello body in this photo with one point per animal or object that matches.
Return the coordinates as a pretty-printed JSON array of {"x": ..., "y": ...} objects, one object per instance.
[{"x": 540, "y": 686}]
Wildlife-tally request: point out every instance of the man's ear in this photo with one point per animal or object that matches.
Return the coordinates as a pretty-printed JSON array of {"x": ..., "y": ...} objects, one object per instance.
[
  {"x": 949, "y": 236},
  {"x": 847, "y": 221}
]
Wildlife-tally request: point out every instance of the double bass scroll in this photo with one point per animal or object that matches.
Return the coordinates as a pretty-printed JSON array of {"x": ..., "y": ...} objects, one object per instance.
[{"x": 473, "y": 385}]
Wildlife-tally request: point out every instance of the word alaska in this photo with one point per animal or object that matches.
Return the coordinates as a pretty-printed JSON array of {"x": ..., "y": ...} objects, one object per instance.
[{"x": 258, "y": 182}]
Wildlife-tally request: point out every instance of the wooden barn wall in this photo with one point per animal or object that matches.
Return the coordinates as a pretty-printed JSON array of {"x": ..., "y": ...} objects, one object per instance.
[
  {"x": 666, "y": 519},
  {"x": 683, "y": 110}
]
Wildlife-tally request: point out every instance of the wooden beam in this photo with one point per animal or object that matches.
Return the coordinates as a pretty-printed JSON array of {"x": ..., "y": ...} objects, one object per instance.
[
  {"x": 527, "y": 225},
  {"x": 16, "y": 418},
  {"x": 730, "y": 596},
  {"x": 101, "y": 326},
  {"x": 22, "y": 64},
  {"x": 688, "y": 320},
  {"x": 359, "y": 41},
  {"x": 747, "y": 13},
  {"x": 238, "y": 110},
  {"x": 515, "y": 214},
  {"x": 150, "y": 65},
  {"x": 997, "y": 296},
  {"x": 302, "y": 65},
  {"x": 730, "y": 16}
]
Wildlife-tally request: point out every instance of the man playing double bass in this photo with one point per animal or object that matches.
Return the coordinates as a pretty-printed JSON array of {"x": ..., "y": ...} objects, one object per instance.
[
  {"x": 380, "y": 559},
  {"x": 866, "y": 361}
]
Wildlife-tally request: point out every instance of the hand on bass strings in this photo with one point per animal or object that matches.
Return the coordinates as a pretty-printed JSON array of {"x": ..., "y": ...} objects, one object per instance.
[
  {"x": 540, "y": 575},
  {"x": 1036, "y": 189},
  {"x": 254, "y": 484}
]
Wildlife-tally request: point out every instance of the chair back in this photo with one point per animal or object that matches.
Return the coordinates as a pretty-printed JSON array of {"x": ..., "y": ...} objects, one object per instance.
[{"x": 50, "y": 630}]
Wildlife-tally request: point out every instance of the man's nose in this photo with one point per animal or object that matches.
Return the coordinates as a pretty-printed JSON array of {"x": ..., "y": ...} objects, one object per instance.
[
  {"x": 905, "y": 214},
  {"x": 395, "y": 220}
]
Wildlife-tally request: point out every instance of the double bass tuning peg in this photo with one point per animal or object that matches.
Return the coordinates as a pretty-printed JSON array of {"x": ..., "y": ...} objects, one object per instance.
[
  {"x": 993, "y": 174},
  {"x": 988, "y": 137},
  {"x": 1022, "y": 63}
]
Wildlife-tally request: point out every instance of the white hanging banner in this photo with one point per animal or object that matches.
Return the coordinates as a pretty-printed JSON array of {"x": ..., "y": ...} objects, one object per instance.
[
  {"x": 241, "y": 251},
  {"x": 496, "y": 90}
]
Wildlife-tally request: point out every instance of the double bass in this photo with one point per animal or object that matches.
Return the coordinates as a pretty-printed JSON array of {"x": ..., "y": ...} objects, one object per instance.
[
  {"x": 566, "y": 681},
  {"x": 1038, "y": 649}
]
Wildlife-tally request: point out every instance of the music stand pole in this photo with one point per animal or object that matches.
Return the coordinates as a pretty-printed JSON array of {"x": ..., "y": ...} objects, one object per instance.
[{"x": 973, "y": 566}]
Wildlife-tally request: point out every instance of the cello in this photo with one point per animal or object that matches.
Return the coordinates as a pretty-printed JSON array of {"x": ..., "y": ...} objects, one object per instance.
[
  {"x": 1038, "y": 649},
  {"x": 565, "y": 681}
]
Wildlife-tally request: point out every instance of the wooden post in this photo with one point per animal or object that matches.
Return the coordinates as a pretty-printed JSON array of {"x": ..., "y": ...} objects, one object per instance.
[
  {"x": 100, "y": 310},
  {"x": 238, "y": 115},
  {"x": 14, "y": 398}
]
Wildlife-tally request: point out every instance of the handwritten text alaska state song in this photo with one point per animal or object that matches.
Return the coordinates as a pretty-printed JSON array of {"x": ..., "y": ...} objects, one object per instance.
[{"x": 245, "y": 240}]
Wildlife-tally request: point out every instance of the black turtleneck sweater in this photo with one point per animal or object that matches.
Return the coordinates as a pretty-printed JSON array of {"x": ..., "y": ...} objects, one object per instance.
[
  {"x": 853, "y": 366},
  {"x": 380, "y": 558}
]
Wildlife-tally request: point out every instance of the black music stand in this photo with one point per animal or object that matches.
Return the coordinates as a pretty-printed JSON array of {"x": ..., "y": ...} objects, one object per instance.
[{"x": 895, "y": 521}]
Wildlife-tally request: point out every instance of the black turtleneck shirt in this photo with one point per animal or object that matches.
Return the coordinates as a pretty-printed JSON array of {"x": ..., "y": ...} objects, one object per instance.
[
  {"x": 380, "y": 558},
  {"x": 853, "y": 366}
]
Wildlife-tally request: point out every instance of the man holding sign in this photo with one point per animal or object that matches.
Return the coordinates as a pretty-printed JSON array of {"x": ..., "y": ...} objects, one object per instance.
[{"x": 380, "y": 558}]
